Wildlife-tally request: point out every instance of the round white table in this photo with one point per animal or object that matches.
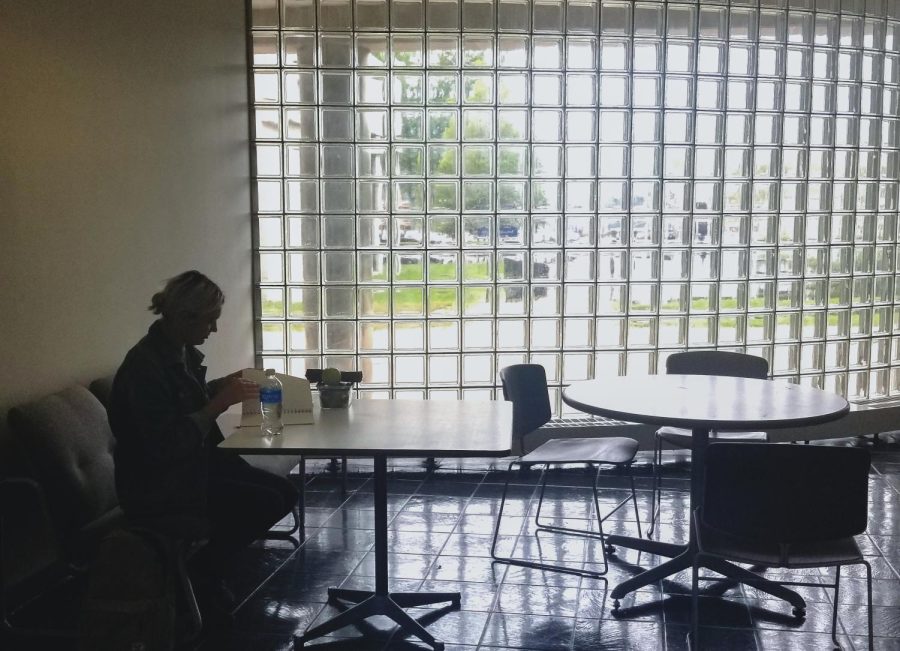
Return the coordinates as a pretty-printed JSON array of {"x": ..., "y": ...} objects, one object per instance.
[{"x": 701, "y": 403}]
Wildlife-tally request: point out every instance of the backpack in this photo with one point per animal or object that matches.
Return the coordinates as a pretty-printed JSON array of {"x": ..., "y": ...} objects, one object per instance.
[{"x": 131, "y": 592}]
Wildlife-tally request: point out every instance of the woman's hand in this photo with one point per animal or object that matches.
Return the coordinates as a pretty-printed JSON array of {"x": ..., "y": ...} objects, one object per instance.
[{"x": 232, "y": 389}]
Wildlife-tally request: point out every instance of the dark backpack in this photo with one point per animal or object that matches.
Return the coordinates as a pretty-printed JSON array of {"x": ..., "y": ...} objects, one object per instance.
[{"x": 131, "y": 593}]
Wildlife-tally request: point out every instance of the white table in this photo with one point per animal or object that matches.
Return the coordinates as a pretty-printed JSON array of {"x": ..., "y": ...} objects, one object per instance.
[
  {"x": 382, "y": 429},
  {"x": 701, "y": 403}
]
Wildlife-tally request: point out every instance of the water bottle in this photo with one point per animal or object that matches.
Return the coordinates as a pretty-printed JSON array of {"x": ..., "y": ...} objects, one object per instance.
[{"x": 270, "y": 404}]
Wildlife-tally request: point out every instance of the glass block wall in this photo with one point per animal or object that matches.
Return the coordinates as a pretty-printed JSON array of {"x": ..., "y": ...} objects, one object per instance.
[{"x": 445, "y": 187}]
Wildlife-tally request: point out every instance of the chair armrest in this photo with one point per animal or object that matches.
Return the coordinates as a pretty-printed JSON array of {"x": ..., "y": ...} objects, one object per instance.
[{"x": 29, "y": 546}]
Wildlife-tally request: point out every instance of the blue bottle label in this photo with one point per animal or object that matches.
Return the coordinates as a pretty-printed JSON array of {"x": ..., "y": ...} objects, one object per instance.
[{"x": 270, "y": 396}]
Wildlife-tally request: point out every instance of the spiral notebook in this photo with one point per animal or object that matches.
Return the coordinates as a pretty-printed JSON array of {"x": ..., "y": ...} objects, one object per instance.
[{"x": 296, "y": 400}]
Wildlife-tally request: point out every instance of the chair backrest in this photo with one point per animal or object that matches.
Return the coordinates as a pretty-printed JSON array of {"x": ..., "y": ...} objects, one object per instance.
[
  {"x": 102, "y": 389},
  {"x": 68, "y": 443},
  {"x": 525, "y": 385},
  {"x": 777, "y": 493},
  {"x": 717, "y": 362}
]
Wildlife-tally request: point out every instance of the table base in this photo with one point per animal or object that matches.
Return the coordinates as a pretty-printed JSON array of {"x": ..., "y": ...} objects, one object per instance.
[
  {"x": 369, "y": 604},
  {"x": 682, "y": 558}
]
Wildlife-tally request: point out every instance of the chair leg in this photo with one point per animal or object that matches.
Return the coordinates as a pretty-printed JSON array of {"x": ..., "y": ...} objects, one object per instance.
[
  {"x": 637, "y": 515},
  {"x": 537, "y": 515},
  {"x": 500, "y": 514},
  {"x": 187, "y": 588},
  {"x": 695, "y": 603},
  {"x": 577, "y": 571},
  {"x": 869, "y": 604},
  {"x": 834, "y": 614},
  {"x": 604, "y": 548},
  {"x": 655, "y": 498}
]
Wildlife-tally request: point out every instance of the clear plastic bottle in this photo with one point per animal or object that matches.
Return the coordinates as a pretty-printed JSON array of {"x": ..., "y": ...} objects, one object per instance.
[{"x": 270, "y": 404}]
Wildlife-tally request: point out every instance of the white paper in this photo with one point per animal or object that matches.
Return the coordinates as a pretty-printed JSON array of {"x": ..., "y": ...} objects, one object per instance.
[{"x": 296, "y": 400}]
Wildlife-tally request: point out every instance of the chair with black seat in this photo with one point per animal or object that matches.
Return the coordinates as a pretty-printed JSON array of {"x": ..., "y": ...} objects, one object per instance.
[
  {"x": 525, "y": 385},
  {"x": 701, "y": 362},
  {"x": 782, "y": 506},
  {"x": 67, "y": 443},
  {"x": 31, "y": 560}
]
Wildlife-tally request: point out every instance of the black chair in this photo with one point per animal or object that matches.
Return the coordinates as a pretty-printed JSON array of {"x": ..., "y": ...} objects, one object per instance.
[
  {"x": 782, "y": 506},
  {"x": 31, "y": 560},
  {"x": 701, "y": 362},
  {"x": 525, "y": 385}
]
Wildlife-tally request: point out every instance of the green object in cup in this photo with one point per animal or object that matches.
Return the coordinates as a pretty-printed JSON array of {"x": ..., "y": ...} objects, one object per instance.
[{"x": 334, "y": 396}]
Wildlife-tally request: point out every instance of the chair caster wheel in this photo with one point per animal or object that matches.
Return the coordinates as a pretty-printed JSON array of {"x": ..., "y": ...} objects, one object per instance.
[
  {"x": 616, "y": 604},
  {"x": 438, "y": 646},
  {"x": 610, "y": 549},
  {"x": 799, "y": 613},
  {"x": 456, "y": 603}
]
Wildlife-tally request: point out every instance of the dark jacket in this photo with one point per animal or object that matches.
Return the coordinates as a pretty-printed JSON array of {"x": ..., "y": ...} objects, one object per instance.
[{"x": 164, "y": 442}]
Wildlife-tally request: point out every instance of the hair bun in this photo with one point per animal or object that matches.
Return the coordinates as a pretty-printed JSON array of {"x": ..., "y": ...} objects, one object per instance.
[{"x": 157, "y": 303}]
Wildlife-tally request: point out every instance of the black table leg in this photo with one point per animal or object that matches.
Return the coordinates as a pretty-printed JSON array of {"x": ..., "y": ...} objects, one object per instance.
[
  {"x": 381, "y": 601},
  {"x": 682, "y": 556}
]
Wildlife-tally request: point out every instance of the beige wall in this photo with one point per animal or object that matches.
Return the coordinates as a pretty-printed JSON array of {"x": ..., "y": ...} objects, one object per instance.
[{"x": 123, "y": 161}]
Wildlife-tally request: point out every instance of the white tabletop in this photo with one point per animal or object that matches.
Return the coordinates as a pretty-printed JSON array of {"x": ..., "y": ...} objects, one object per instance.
[
  {"x": 705, "y": 401},
  {"x": 396, "y": 428}
]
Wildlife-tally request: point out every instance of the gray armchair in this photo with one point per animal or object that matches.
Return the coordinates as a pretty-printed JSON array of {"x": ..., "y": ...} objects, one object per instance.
[{"x": 66, "y": 444}]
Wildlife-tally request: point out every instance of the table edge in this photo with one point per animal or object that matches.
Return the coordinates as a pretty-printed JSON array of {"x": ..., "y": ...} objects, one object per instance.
[{"x": 691, "y": 423}]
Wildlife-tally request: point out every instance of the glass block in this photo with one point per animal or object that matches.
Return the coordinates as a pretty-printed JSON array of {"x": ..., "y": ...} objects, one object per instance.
[
  {"x": 264, "y": 13},
  {"x": 340, "y": 302},
  {"x": 478, "y": 15},
  {"x": 372, "y": 161},
  {"x": 265, "y": 48},
  {"x": 613, "y": 54},
  {"x": 547, "y": 125},
  {"x": 545, "y": 334},
  {"x": 511, "y": 231},
  {"x": 372, "y": 196},
  {"x": 443, "y": 301},
  {"x": 478, "y": 88},
  {"x": 760, "y": 328},
  {"x": 678, "y": 127},
  {"x": 613, "y": 90},
  {"x": 477, "y": 196},
  {"x": 409, "y": 370},
  {"x": 478, "y": 124},
  {"x": 409, "y": 196},
  {"x": 442, "y": 14}
]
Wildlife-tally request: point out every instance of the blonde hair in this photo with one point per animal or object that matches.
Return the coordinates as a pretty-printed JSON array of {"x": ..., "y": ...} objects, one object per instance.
[{"x": 189, "y": 293}]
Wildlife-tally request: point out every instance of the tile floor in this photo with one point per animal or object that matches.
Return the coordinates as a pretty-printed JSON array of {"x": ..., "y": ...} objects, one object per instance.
[{"x": 440, "y": 533}]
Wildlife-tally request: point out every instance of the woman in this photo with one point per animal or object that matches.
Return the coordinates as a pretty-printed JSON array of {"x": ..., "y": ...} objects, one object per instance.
[{"x": 170, "y": 475}]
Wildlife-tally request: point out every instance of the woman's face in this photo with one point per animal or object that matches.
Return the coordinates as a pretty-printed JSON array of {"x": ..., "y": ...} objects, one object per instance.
[{"x": 196, "y": 328}]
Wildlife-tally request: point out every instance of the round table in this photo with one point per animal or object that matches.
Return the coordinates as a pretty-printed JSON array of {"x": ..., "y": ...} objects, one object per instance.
[{"x": 701, "y": 403}]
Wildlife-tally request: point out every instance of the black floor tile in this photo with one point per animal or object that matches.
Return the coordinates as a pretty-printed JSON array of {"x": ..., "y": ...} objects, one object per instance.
[{"x": 441, "y": 525}]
